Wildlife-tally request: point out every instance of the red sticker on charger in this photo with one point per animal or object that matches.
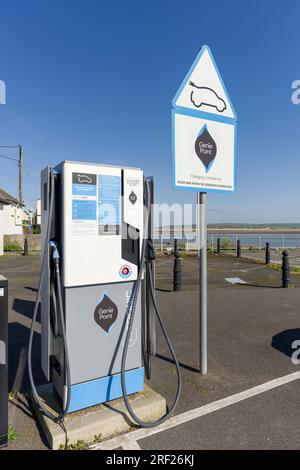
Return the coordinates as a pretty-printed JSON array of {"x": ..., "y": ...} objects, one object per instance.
[{"x": 125, "y": 271}]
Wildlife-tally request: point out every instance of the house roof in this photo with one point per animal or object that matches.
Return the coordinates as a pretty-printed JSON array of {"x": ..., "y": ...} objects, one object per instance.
[{"x": 6, "y": 198}]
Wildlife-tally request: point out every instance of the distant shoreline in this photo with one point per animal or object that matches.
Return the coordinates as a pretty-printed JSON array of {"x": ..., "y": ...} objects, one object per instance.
[{"x": 235, "y": 230}]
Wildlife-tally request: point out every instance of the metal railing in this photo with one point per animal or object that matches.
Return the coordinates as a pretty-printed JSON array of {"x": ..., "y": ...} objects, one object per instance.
[{"x": 229, "y": 241}]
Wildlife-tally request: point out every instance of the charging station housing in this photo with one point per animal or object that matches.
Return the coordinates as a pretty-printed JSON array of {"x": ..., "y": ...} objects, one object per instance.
[{"x": 98, "y": 227}]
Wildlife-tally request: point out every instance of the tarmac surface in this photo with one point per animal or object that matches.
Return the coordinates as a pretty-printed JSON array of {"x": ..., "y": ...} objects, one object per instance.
[
  {"x": 251, "y": 328},
  {"x": 275, "y": 256}
]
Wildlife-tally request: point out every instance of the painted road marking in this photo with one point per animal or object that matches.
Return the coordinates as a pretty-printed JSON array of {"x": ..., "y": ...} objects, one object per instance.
[
  {"x": 130, "y": 445},
  {"x": 20, "y": 270},
  {"x": 195, "y": 413},
  {"x": 235, "y": 280},
  {"x": 253, "y": 269}
]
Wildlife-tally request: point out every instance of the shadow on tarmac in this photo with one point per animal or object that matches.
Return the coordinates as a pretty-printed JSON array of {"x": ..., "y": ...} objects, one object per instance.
[
  {"x": 18, "y": 337},
  {"x": 32, "y": 289},
  {"x": 26, "y": 307},
  {"x": 260, "y": 285},
  {"x": 171, "y": 361},
  {"x": 283, "y": 341}
]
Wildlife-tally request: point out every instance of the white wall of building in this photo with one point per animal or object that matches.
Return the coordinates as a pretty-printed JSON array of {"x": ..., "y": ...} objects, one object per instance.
[
  {"x": 13, "y": 217},
  {"x": 38, "y": 212}
]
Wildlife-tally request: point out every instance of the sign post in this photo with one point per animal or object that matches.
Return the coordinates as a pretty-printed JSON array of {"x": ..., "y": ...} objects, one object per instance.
[
  {"x": 202, "y": 237},
  {"x": 203, "y": 154}
]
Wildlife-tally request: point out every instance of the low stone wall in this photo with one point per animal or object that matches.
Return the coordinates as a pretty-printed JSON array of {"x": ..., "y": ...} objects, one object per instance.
[
  {"x": 16, "y": 242},
  {"x": 13, "y": 242},
  {"x": 34, "y": 242}
]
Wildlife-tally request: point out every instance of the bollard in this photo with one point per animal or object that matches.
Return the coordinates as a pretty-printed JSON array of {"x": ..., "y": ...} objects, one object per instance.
[
  {"x": 285, "y": 269},
  {"x": 238, "y": 249},
  {"x": 268, "y": 259},
  {"x": 26, "y": 247},
  {"x": 218, "y": 245},
  {"x": 177, "y": 268},
  {"x": 3, "y": 361}
]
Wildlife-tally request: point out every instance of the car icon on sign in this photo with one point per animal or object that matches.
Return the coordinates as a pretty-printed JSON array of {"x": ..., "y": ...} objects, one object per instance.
[
  {"x": 84, "y": 179},
  {"x": 205, "y": 96}
]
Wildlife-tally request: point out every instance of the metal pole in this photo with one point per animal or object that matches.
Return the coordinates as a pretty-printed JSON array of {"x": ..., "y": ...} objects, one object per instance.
[
  {"x": 285, "y": 269},
  {"x": 26, "y": 248},
  {"x": 202, "y": 240},
  {"x": 268, "y": 258},
  {"x": 20, "y": 174},
  {"x": 177, "y": 268}
]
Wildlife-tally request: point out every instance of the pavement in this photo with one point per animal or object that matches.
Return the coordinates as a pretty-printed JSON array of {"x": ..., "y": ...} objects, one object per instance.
[{"x": 251, "y": 328}]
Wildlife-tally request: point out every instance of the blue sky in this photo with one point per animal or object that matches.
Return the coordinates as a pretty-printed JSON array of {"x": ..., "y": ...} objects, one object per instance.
[{"x": 93, "y": 80}]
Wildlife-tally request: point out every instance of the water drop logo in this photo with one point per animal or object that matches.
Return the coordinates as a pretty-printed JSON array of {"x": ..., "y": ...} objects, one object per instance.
[
  {"x": 132, "y": 197},
  {"x": 106, "y": 313},
  {"x": 206, "y": 148}
]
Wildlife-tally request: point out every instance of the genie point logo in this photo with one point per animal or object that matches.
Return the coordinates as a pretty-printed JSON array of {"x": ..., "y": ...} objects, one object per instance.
[{"x": 2, "y": 92}]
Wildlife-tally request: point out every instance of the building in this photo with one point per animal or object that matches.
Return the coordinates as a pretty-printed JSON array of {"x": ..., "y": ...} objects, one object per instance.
[
  {"x": 13, "y": 214},
  {"x": 11, "y": 217},
  {"x": 37, "y": 214},
  {"x": 27, "y": 217}
]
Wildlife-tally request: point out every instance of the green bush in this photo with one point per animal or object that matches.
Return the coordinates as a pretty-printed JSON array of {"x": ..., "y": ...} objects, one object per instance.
[
  {"x": 12, "y": 435},
  {"x": 13, "y": 247},
  {"x": 227, "y": 244},
  {"x": 36, "y": 229}
]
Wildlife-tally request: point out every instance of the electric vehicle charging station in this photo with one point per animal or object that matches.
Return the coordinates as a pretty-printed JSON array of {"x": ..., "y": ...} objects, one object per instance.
[{"x": 97, "y": 255}]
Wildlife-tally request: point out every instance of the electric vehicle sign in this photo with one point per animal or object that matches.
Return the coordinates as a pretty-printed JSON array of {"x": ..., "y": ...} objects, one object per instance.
[
  {"x": 203, "y": 154},
  {"x": 84, "y": 184},
  {"x": 106, "y": 313},
  {"x": 203, "y": 130}
]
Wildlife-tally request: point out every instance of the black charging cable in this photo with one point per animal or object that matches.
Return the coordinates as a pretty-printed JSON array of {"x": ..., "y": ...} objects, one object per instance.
[{"x": 130, "y": 315}]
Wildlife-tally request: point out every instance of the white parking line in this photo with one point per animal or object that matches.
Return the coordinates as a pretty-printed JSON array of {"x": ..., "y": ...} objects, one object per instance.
[
  {"x": 130, "y": 445},
  {"x": 182, "y": 418}
]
